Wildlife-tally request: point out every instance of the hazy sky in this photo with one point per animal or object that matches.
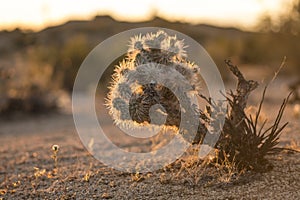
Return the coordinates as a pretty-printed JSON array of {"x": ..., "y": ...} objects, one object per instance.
[{"x": 36, "y": 14}]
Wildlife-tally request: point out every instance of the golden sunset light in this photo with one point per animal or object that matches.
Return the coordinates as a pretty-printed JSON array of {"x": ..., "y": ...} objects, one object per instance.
[
  {"x": 149, "y": 99},
  {"x": 34, "y": 14}
]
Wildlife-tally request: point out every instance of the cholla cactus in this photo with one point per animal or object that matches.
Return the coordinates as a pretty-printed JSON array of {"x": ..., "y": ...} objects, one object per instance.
[{"x": 153, "y": 59}]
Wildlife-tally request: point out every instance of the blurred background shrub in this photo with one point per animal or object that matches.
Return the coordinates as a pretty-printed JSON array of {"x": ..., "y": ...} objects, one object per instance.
[{"x": 37, "y": 68}]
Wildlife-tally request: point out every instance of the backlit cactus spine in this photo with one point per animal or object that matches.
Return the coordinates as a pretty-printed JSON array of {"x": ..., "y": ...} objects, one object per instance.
[{"x": 129, "y": 100}]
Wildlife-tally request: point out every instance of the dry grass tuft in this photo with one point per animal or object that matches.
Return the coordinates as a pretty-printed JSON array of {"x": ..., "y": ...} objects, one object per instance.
[{"x": 244, "y": 143}]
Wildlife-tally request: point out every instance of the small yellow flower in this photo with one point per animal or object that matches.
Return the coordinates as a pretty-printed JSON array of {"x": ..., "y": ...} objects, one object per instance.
[{"x": 55, "y": 147}]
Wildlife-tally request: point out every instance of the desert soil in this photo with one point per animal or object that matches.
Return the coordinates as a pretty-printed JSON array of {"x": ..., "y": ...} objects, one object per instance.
[{"x": 27, "y": 169}]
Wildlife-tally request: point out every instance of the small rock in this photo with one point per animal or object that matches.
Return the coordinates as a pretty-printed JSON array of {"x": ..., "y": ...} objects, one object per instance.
[{"x": 106, "y": 195}]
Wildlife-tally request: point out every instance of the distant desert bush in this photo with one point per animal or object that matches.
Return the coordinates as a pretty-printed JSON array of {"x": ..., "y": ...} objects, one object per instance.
[{"x": 26, "y": 87}]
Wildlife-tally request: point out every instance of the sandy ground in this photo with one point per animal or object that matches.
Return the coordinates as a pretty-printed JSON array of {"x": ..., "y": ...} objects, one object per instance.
[{"x": 27, "y": 169}]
